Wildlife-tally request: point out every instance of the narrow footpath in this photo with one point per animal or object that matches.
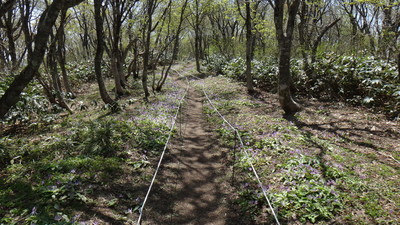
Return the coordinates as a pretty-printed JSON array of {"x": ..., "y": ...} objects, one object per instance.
[{"x": 193, "y": 187}]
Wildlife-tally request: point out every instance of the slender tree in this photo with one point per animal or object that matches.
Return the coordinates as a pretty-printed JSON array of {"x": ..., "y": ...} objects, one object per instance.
[
  {"x": 198, "y": 15},
  {"x": 99, "y": 55},
  {"x": 250, "y": 7},
  {"x": 150, "y": 7},
  {"x": 312, "y": 28},
  {"x": 175, "y": 47},
  {"x": 61, "y": 52}
]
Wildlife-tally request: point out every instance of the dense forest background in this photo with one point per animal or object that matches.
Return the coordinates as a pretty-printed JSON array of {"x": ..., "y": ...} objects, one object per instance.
[
  {"x": 346, "y": 50},
  {"x": 88, "y": 89}
]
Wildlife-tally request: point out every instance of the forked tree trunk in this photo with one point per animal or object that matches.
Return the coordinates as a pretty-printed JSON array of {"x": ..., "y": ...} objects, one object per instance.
[
  {"x": 284, "y": 33},
  {"x": 52, "y": 64}
]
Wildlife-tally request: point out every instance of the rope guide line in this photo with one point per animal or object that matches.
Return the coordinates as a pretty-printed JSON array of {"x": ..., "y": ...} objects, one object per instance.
[
  {"x": 162, "y": 156},
  {"x": 247, "y": 154}
]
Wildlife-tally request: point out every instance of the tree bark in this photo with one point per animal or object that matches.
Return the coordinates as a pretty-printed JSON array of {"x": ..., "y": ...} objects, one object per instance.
[
  {"x": 288, "y": 104},
  {"x": 99, "y": 56},
  {"x": 46, "y": 22},
  {"x": 10, "y": 36},
  {"x": 25, "y": 9},
  {"x": 147, "y": 38},
  {"x": 249, "y": 48},
  {"x": 116, "y": 56},
  {"x": 52, "y": 64},
  {"x": 175, "y": 48},
  {"x": 4, "y": 7},
  {"x": 284, "y": 36},
  {"x": 61, "y": 54},
  {"x": 197, "y": 36}
]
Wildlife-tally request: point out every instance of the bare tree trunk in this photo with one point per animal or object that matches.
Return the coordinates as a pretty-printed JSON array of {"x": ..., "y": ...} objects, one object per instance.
[
  {"x": 197, "y": 48},
  {"x": 134, "y": 65},
  {"x": 25, "y": 9},
  {"x": 99, "y": 56},
  {"x": 46, "y": 22},
  {"x": 9, "y": 25},
  {"x": 249, "y": 48},
  {"x": 288, "y": 104},
  {"x": 116, "y": 64},
  {"x": 175, "y": 48},
  {"x": 284, "y": 35},
  {"x": 61, "y": 54},
  {"x": 52, "y": 64},
  {"x": 151, "y": 4}
]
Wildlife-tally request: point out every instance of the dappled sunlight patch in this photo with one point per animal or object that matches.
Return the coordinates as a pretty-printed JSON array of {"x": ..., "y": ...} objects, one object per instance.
[
  {"x": 87, "y": 167},
  {"x": 319, "y": 166}
]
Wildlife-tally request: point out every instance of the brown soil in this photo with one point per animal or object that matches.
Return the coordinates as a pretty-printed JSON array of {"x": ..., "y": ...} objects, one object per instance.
[
  {"x": 359, "y": 129},
  {"x": 192, "y": 187}
]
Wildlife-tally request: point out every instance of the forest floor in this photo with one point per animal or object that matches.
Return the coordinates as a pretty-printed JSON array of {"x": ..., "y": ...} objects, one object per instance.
[
  {"x": 329, "y": 164},
  {"x": 352, "y": 158}
]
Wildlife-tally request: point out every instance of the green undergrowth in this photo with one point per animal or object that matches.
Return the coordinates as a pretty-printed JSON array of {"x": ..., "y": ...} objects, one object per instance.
[
  {"x": 58, "y": 173},
  {"x": 309, "y": 176},
  {"x": 85, "y": 167},
  {"x": 357, "y": 80}
]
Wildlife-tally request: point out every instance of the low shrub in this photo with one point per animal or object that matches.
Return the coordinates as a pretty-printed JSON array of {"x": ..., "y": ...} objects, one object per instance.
[
  {"x": 364, "y": 81},
  {"x": 32, "y": 103}
]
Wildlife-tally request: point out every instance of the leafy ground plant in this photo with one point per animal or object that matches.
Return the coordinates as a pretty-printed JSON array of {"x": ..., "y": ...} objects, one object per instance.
[
  {"x": 88, "y": 168},
  {"x": 317, "y": 167},
  {"x": 366, "y": 81}
]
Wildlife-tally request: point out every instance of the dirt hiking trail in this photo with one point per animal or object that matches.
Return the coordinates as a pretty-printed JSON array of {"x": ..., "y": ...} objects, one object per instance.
[{"x": 192, "y": 187}]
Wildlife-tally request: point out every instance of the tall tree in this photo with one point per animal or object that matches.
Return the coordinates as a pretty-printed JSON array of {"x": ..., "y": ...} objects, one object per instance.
[
  {"x": 312, "y": 28},
  {"x": 118, "y": 14},
  {"x": 61, "y": 52},
  {"x": 99, "y": 54},
  {"x": 53, "y": 69},
  {"x": 150, "y": 8},
  {"x": 175, "y": 47},
  {"x": 250, "y": 6},
  {"x": 284, "y": 26},
  {"x": 84, "y": 21},
  {"x": 46, "y": 22},
  {"x": 199, "y": 12},
  {"x": 390, "y": 27},
  {"x": 10, "y": 22},
  {"x": 226, "y": 28}
]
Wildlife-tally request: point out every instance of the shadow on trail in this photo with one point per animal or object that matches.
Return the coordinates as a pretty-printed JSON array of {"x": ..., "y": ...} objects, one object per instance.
[
  {"x": 356, "y": 138},
  {"x": 192, "y": 186}
]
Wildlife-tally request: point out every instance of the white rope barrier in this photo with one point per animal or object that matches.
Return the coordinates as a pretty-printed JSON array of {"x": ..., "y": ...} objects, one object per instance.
[
  {"x": 169, "y": 137},
  {"x": 161, "y": 157},
  {"x": 247, "y": 154}
]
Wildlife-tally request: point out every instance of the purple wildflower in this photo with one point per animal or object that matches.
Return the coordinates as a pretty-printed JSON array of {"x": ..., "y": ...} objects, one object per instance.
[{"x": 34, "y": 211}]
